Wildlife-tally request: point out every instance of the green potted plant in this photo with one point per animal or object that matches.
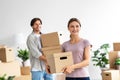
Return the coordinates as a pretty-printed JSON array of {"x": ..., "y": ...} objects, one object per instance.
[
  {"x": 4, "y": 77},
  {"x": 117, "y": 63},
  {"x": 24, "y": 55},
  {"x": 100, "y": 56}
]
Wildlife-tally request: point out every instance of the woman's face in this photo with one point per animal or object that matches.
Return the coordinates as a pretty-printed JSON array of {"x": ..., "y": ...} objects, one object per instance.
[
  {"x": 37, "y": 26},
  {"x": 74, "y": 28}
]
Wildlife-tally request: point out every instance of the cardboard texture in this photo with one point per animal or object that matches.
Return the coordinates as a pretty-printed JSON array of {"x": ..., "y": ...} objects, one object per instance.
[
  {"x": 23, "y": 77},
  {"x": 25, "y": 70},
  {"x": 50, "y": 39},
  {"x": 116, "y": 46},
  {"x": 7, "y": 54},
  {"x": 60, "y": 76},
  {"x": 111, "y": 75},
  {"x": 112, "y": 56},
  {"x": 58, "y": 61},
  {"x": 51, "y": 50},
  {"x": 3, "y": 46},
  {"x": 10, "y": 68}
]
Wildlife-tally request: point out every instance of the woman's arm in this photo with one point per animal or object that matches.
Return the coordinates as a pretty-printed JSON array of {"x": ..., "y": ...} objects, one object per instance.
[
  {"x": 84, "y": 63},
  {"x": 86, "y": 60}
]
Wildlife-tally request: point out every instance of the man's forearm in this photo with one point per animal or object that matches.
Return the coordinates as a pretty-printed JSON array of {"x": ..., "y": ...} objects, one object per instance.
[{"x": 43, "y": 58}]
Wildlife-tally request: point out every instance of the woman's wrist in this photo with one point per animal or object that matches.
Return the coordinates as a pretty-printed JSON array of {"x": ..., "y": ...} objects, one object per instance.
[{"x": 73, "y": 67}]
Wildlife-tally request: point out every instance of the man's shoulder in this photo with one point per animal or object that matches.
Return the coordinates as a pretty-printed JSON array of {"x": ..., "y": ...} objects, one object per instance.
[{"x": 31, "y": 36}]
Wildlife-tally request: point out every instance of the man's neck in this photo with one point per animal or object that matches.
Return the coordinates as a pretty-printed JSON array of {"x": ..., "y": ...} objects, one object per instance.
[{"x": 36, "y": 32}]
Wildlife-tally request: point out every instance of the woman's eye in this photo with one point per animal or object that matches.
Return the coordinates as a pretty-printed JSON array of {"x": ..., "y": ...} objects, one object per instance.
[{"x": 77, "y": 26}]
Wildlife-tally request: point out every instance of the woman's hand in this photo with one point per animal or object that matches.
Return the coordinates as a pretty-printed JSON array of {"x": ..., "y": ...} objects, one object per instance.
[{"x": 68, "y": 69}]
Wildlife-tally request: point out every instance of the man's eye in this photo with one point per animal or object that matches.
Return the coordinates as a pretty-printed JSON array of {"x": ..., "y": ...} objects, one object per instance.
[{"x": 72, "y": 26}]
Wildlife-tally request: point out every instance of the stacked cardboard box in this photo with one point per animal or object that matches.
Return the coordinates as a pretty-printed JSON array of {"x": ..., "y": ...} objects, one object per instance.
[
  {"x": 114, "y": 54},
  {"x": 7, "y": 54},
  {"x": 116, "y": 46},
  {"x": 52, "y": 50},
  {"x": 58, "y": 61},
  {"x": 10, "y": 68},
  {"x": 111, "y": 75},
  {"x": 50, "y": 43},
  {"x": 8, "y": 65}
]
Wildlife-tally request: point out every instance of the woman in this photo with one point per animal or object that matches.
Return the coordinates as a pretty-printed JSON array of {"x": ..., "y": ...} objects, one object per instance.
[{"x": 80, "y": 50}]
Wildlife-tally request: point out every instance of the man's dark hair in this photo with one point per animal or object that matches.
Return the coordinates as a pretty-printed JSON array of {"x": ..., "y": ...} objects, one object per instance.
[{"x": 34, "y": 20}]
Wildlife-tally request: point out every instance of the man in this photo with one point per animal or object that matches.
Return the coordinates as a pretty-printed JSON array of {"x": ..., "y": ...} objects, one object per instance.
[{"x": 37, "y": 59}]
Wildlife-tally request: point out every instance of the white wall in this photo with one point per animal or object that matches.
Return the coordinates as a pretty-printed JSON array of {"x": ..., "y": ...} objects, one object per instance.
[{"x": 99, "y": 18}]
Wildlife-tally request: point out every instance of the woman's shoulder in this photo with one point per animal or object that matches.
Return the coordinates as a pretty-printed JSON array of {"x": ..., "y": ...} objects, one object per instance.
[
  {"x": 85, "y": 40},
  {"x": 66, "y": 42}
]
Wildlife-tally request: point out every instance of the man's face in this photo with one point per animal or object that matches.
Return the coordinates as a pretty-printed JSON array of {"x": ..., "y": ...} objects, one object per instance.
[{"x": 37, "y": 26}]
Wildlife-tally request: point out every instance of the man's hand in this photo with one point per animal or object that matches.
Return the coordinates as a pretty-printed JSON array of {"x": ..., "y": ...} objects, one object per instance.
[{"x": 48, "y": 69}]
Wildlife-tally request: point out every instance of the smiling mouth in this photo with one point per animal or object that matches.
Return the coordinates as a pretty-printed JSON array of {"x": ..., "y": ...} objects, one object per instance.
[{"x": 74, "y": 31}]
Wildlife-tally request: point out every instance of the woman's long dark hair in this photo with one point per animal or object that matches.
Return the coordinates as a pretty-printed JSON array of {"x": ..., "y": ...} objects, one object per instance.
[{"x": 73, "y": 19}]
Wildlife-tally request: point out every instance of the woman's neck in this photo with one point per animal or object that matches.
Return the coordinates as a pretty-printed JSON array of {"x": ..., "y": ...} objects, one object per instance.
[{"x": 74, "y": 39}]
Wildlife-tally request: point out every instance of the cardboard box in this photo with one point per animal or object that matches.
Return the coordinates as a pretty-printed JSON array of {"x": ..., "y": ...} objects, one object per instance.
[
  {"x": 112, "y": 56},
  {"x": 58, "y": 61},
  {"x": 116, "y": 46},
  {"x": 50, "y": 39},
  {"x": 51, "y": 50},
  {"x": 23, "y": 77},
  {"x": 10, "y": 68},
  {"x": 3, "y": 46},
  {"x": 60, "y": 76},
  {"x": 25, "y": 70},
  {"x": 7, "y": 54},
  {"x": 111, "y": 75}
]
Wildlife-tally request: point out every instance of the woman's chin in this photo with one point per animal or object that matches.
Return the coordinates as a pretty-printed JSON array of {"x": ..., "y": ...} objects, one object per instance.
[{"x": 75, "y": 34}]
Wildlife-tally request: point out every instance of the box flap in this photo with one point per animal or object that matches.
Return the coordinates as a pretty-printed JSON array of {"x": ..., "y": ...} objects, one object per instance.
[{"x": 50, "y": 48}]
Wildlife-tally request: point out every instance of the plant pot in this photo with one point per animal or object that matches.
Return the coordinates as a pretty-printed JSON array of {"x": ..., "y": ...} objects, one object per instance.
[
  {"x": 27, "y": 63},
  {"x": 25, "y": 70},
  {"x": 118, "y": 67},
  {"x": 104, "y": 69}
]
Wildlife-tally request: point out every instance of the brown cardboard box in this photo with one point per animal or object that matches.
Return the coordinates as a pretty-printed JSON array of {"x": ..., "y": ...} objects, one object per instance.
[
  {"x": 51, "y": 50},
  {"x": 50, "y": 39},
  {"x": 111, "y": 75},
  {"x": 25, "y": 70},
  {"x": 3, "y": 46},
  {"x": 7, "y": 54},
  {"x": 60, "y": 76},
  {"x": 58, "y": 61},
  {"x": 10, "y": 68},
  {"x": 23, "y": 77},
  {"x": 112, "y": 56},
  {"x": 116, "y": 46}
]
